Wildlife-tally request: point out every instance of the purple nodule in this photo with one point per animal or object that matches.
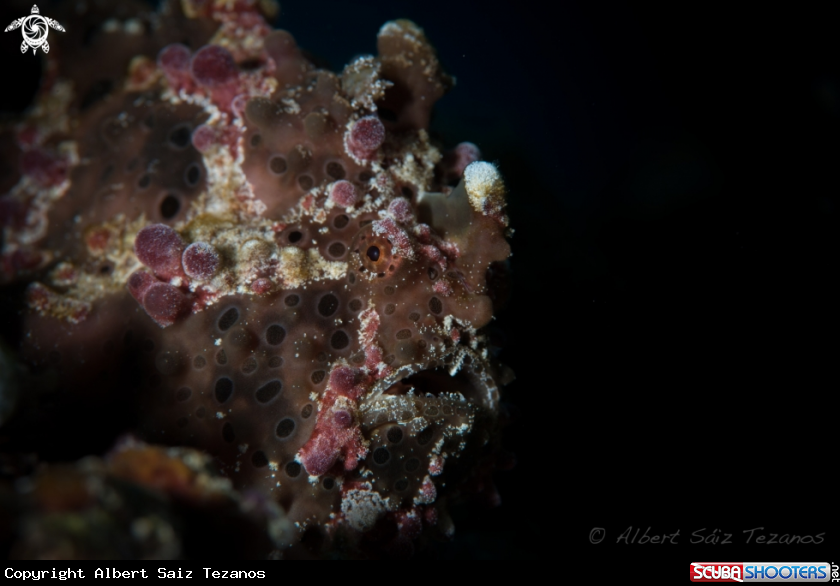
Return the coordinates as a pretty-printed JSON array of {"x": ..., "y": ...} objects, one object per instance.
[{"x": 213, "y": 66}]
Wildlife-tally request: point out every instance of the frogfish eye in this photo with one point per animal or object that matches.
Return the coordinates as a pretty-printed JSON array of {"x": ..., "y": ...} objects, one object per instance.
[{"x": 373, "y": 253}]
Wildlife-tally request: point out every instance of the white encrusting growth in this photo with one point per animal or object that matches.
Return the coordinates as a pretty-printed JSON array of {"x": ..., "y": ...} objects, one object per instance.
[{"x": 485, "y": 187}]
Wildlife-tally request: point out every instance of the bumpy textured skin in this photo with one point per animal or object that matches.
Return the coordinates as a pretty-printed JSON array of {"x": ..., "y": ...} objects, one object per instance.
[
  {"x": 135, "y": 503},
  {"x": 294, "y": 275}
]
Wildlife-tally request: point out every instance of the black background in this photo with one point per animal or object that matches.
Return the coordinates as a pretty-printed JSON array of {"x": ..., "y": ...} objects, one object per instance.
[{"x": 673, "y": 176}]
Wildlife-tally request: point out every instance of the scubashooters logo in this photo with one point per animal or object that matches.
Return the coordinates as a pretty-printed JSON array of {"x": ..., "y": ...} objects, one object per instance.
[
  {"x": 34, "y": 28},
  {"x": 788, "y": 572}
]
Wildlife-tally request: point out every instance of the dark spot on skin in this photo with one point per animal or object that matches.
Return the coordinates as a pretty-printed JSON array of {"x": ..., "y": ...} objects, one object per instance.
[
  {"x": 285, "y": 428},
  {"x": 230, "y": 317},
  {"x": 224, "y": 389},
  {"x": 250, "y": 365},
  {"x": 192, "y": 175},
  {"x": 305, "y": 182},
  {"x": 275, "y": 334},
  {"x": 277, "y": 164},
  {"x": 395, "y": 434},
  {"x": 268, "y": 391},
  {"x": 381, "y": 455},
  {"x": 340, "y": 340},
  {"x": 250, "y": 65},
  {"x": 335, "y": 170},
  {"x": 293, "y": 469},
  {"x": 387, "y": 114},
  {"x": 337, "y": 249},
  {"x": 328, "y": 305},
  {"x": 227, "y": 433},
  {"x": 180, "y": 136},
  {"x": 169, "y": 207}
]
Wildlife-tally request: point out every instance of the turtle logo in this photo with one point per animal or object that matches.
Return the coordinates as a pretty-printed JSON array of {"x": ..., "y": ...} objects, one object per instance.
[{"x": 35, "y": 31}]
